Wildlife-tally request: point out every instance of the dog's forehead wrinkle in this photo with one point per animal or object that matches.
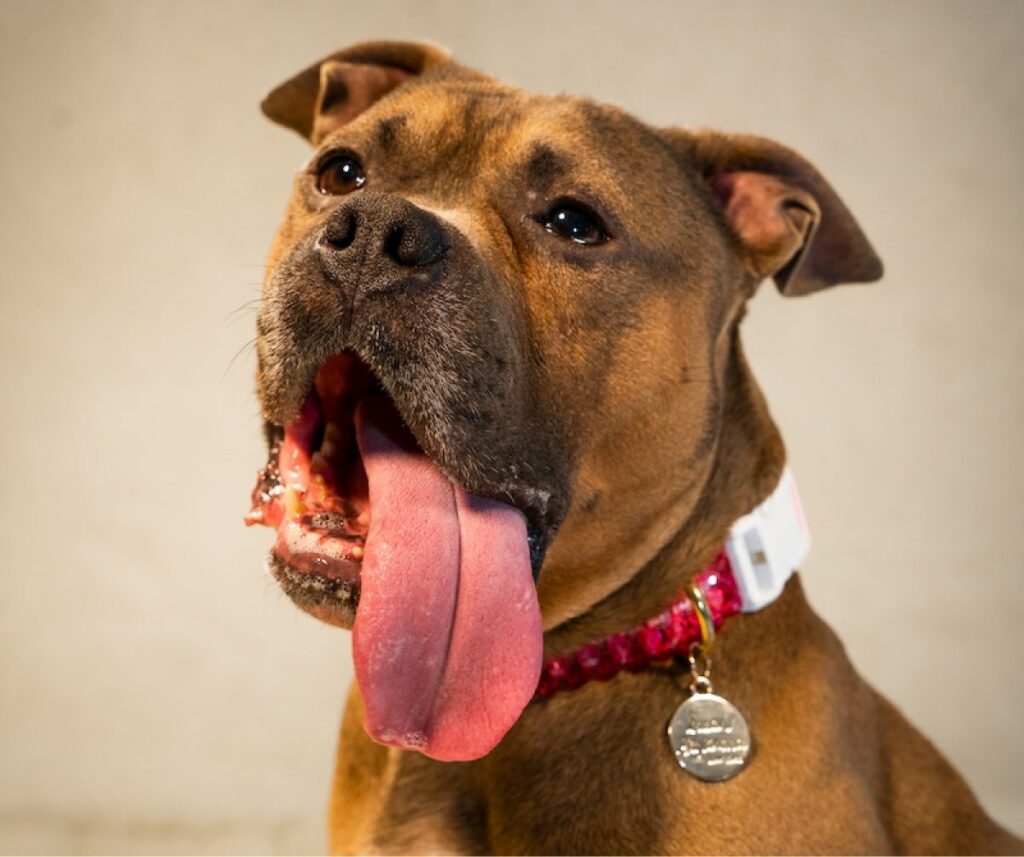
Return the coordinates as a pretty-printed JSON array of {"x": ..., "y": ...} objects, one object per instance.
[
  {"x": 468, "y": 105},
  {"x": 389, "y": 129},
  {"x": 544, "y": 165}
]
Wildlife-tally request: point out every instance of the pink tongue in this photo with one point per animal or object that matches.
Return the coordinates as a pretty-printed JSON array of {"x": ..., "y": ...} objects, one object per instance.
[{"x": 447, "y": 639}]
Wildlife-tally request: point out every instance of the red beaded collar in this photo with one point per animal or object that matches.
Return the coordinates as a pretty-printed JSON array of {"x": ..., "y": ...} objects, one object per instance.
[
  {"x": 669, "y": 634},
  {"x": 761, "y": 550}
]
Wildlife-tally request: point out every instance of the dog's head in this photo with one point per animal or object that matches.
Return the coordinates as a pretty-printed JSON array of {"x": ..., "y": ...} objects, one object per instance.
[{"x": 492, "y": 346}]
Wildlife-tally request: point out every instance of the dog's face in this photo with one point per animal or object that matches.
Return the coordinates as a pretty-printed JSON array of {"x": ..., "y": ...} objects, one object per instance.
[{"x": 529, "y": 299}]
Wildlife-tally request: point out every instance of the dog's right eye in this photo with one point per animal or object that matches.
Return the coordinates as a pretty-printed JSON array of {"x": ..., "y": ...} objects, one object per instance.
[
  {"x": 340, "y": 175},
  {"x": 574, "y": 222}
]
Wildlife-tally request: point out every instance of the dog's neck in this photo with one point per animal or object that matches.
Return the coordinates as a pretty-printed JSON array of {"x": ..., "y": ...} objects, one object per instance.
[{"x": 746, "y": 464}]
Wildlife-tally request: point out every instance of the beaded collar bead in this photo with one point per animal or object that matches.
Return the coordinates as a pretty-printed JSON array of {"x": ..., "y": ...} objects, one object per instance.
[{"x": 667, "y": 635}]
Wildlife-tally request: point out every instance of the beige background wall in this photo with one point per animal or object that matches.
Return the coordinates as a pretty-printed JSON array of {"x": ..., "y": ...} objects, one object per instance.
[{"x": 156, "y": 691}]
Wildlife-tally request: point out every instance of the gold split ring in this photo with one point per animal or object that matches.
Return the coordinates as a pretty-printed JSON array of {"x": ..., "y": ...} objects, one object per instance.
[{"x": 704, "y": 618}]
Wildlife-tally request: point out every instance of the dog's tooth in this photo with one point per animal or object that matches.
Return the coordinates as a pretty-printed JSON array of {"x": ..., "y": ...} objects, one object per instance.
[
  {"x": 319, "y": 461},
  {"x": 293, "y": 505}
]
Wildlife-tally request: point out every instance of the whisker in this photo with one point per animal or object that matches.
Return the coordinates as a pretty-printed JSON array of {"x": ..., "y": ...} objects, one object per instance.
[
  {"x": 248, "y": 306},
  {"x": 247, "y": 347}
]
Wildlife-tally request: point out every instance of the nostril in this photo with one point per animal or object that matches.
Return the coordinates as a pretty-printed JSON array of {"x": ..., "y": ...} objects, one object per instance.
[
  {"x": 340, "y": 231},
  {"x": 416, "y": 242},
  {"x": 393, "y": 242}
]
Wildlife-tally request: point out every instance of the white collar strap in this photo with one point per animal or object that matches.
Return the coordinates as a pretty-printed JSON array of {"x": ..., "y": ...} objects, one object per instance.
[{"x": 767, "y": 545}]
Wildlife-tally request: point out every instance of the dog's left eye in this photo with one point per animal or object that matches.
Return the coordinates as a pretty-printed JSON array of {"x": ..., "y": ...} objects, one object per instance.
[
  {"x": 575, "y": 222},
  {"x": 340, "y": 175}
]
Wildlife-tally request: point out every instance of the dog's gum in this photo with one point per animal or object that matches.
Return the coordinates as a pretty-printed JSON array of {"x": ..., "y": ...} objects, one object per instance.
[{"x": 311, "y": 551}]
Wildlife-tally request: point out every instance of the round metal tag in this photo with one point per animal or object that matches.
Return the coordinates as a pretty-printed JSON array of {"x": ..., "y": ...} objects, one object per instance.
[{"x": 709, "y": 737}]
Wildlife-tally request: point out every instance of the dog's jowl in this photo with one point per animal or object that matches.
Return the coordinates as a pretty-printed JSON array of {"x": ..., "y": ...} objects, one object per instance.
[{"x": 515, "y": 446}]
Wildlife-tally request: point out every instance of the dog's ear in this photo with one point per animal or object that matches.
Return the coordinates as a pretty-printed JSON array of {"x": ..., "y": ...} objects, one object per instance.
[
  {"x": 791, "y": 224},
  {"x": 338, "y": 88}
]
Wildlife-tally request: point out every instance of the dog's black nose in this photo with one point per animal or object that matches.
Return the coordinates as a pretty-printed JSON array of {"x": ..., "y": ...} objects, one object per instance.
[{"x": 368, "y": 228}]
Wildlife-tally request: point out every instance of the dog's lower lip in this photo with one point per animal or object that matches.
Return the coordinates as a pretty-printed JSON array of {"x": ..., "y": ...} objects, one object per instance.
[
  {"x": 330, "y": 599},
  {"x": 318, "y": 566}
]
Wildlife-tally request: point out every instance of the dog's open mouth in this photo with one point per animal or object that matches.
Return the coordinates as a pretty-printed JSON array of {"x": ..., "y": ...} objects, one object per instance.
[
  {"x": 447, "y": 635},
  {"x": 313, "y": 490}
]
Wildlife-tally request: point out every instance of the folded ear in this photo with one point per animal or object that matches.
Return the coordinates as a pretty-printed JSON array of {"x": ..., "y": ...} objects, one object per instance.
[
  {"x": 790, "y": 222},
  {"x": 338, "y": 88}
]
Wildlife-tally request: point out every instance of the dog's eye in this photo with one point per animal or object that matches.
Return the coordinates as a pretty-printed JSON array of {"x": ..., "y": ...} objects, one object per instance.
[
  {"x": 575, "y": 222},
  {"x": 339, "y": 175}
]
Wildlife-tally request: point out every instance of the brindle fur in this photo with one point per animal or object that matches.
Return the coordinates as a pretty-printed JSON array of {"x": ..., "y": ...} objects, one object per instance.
[{"x": 603, "y": 390}]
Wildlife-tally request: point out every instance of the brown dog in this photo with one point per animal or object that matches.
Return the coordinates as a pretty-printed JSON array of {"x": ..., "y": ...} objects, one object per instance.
[{"x": 498, "y": 344}]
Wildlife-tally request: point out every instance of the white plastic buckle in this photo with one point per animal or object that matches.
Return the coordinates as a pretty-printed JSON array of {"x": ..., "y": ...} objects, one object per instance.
[{"x": 768, "y": 545}]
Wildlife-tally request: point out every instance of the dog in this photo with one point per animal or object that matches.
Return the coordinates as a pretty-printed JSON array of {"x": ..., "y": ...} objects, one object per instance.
[{"x": 509, "y": 419}]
